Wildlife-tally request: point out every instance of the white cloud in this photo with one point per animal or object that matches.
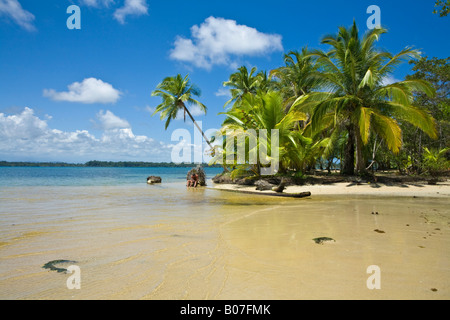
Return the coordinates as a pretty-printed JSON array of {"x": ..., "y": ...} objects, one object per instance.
[
  {"x": 26, "y": 136},
  {"x": 389, "y": 80},
  {"x": 90, "y": 90},
  {"x": 223, "y": 92},
  {"x": 13, "y": 10},
  {"x": 24, "y": 126},
  {"x": 96, "y": 3},
  {"x": 131, "y": 7},
  {"x": 217, "y": 40},
  {"x": 110, "y": 121}
]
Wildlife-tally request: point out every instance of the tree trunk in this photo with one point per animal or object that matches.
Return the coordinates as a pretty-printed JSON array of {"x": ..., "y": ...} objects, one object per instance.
[
  {"x": 192, "y": 118},
  {"x": 360, "y": 164},
  {"x": 348, "y": 166}
]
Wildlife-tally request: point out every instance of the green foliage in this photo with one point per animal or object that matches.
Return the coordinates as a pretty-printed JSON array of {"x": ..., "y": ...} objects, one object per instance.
[
  {"x": 267, "y": 111},
  {"x": 244, "y": 82},
  {"x": 444, "y": 7},
  {"x": 175, "y": 92},
  {"x": 437, "y": 72},
  {"x": 436, "y": 162},
  {"x": 333, "y": 107},
  {"x": 354, "y": 73}
]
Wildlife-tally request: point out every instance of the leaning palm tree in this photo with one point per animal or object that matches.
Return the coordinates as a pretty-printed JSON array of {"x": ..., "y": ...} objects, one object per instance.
[
  {"x": 175, "y": 93},
  {"x": 358, "y": 97}
]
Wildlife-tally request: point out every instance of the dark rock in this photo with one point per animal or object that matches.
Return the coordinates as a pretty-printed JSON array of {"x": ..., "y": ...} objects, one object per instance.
[
  {"x": 154, "y": 179},
  {"x": 200, "y": 173},
  {"x": 223, "y": 178},
  {"x": 262, "y": 185},
  {"x": 245, "y": 182},
  {"x": 273, "y": 180}
]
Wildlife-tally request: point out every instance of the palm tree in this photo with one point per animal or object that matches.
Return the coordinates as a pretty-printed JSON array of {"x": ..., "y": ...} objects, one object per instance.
[
  {"x": 175, "y": 93},
  {"x": 241, "y": 83},
  {"x": 267, "y": 112},
  {"x": 358, "y": 98},
  {"x": 298, "y": 77}
]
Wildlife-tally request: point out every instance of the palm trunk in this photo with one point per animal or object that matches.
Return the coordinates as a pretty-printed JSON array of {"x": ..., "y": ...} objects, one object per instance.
[
  {"x": 192, "y": 118},
  {"x": 360, "y": 164},
  {"x": 348, "y": 166}
]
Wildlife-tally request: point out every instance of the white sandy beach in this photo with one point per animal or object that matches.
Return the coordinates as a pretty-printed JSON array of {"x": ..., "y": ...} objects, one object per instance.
[{"x": 440, "y": 190}]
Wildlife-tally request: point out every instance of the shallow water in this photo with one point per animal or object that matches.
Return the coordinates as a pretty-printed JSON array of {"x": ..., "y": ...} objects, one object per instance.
[{"x": 167, "y": 242}]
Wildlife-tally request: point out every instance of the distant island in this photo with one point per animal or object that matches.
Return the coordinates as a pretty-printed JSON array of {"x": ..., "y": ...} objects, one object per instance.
[{"x": 106, "y": 164}]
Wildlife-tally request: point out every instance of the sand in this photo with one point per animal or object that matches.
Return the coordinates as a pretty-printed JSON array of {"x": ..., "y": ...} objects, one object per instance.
[
  {"x": 144, "y": 242},
  {"x": 440, "y": 190}
]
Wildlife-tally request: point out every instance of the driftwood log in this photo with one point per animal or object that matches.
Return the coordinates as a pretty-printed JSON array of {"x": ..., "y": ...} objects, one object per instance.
[{"x": 272, "y": 194}]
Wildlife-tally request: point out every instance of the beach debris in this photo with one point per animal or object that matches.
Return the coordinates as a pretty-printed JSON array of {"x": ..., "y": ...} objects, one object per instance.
[
  {"x": 154, "y": 179},
  {"x": 263, "y": 185},
  {"x": 51, "y": 265},
  {"x": 434, "y": 289},
  {"x": 281, "y": 187},
  {"x": 379, "y": 231},
  {"x": 321, "y": 240}
]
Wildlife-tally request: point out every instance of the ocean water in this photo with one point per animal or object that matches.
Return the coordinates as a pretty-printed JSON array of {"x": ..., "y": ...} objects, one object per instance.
[{"x": 81, "y": 176}]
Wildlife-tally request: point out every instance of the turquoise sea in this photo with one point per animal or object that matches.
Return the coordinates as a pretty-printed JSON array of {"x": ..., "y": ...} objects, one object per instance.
[{"x": 90, "y": 176}]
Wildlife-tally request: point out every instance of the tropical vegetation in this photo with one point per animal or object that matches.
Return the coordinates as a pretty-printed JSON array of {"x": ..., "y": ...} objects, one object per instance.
[{"x": 339, "y": 107}]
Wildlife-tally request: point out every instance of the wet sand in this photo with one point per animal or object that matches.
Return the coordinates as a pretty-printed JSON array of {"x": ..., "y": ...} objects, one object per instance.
[{"x": 167, "y": 242}]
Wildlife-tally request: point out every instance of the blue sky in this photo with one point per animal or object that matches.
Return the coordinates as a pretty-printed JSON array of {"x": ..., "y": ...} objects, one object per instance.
[{"x": 78, "y": 95}]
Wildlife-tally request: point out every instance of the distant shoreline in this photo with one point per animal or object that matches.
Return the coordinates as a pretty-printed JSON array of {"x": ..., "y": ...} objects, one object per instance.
[{"x": 106, "y": 164}]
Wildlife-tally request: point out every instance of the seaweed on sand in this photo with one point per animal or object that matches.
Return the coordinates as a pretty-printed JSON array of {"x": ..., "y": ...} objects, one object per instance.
[{"x": 51, "y": 265}]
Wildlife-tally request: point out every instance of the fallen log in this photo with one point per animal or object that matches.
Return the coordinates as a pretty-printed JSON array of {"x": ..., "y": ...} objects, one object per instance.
[{"x": 272, "y": 194}]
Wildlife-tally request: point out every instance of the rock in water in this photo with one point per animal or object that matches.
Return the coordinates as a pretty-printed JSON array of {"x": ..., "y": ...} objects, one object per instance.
[
  {"x": 153, "y": 179},
  {"x": 201, "y": 175}
]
